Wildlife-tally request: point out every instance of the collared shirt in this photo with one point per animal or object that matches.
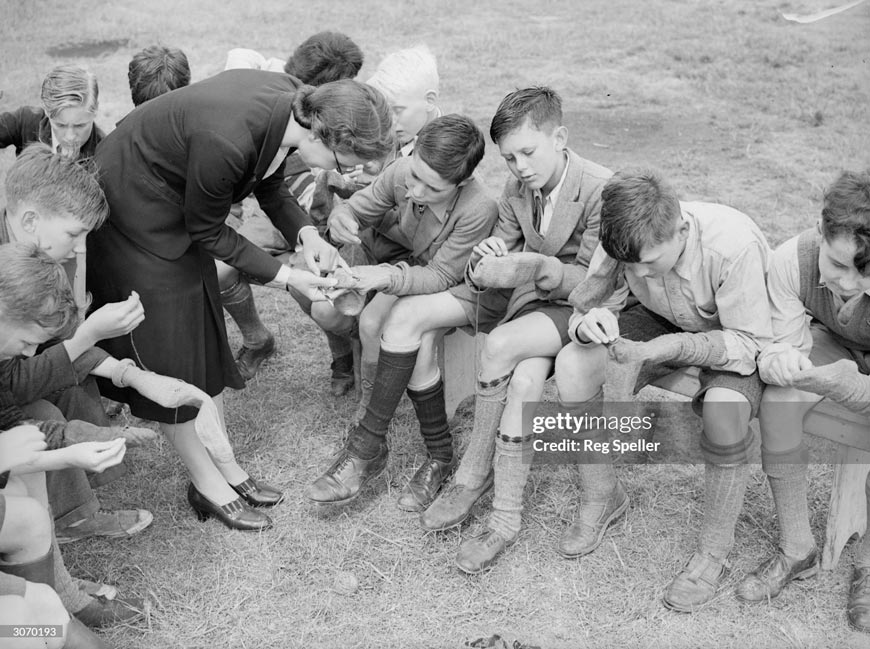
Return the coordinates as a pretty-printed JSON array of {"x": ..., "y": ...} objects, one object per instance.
[
  {"x": 549, "y": 203},
  {"x": 718, "y": 283}
]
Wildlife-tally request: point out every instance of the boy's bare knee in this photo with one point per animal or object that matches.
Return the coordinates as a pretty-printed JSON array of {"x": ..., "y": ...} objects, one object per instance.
[
  {"x": 326, "y": 316},
  {"x": 580, "y": 371},
  {"x": 26, "y": 526},
  {"x": 525, "y": 385},
  {"x": 726, "y": 415}
]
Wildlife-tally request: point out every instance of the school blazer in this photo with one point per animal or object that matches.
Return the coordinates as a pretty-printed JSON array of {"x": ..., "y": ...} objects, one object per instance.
[
  {"x": 174, "y": 166},
  {"x": 27, "y": 124},
  {"x": 571, "y": 237}
]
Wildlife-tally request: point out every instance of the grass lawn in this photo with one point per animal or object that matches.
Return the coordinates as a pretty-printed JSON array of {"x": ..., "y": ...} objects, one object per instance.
[{"x": 729, "y": 100}]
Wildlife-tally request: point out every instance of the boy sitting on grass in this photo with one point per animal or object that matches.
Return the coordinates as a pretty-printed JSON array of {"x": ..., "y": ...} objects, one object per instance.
[
  {"x": 818, "y": 282},
  {"x": 408, "y": 233},
  {"x": 697, "y": 270}
]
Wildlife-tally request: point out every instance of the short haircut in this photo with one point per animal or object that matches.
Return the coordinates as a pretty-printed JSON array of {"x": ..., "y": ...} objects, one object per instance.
[
  {"x": 57, "y": 185},
  {"x": 407, "y": 71},
  {"x": 452, "y": 146},
  {"x": 34, "y": 289},
  {"x": 69, "y": 86},
  {"x": 325, "y": 57},
  {"x": 846, "y": 213},
  {"x": 638, "y": 209},
  {"x": 348, "y": 117},
  {"x": 540, "y": 104},
  {"x": 157, "y": 70}
]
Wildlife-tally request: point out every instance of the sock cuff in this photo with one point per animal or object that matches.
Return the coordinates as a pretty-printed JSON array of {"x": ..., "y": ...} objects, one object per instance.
[
  {"x": 495, "y": 386},
  {"x": 236, "y": 293},
  {"x": 425, "y": 386},
  {"x": 785, "y": 463},
  {"x": 736, "y": 453},
  {"x": 395, "y": 348}
]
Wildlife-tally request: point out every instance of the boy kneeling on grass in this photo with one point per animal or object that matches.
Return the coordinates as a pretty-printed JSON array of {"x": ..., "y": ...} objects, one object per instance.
[
  {"x": 823, "y": 273},
  {"x": 697, "y": 270}
]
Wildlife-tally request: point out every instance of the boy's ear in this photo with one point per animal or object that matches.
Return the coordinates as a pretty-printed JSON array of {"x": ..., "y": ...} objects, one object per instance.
[
  {"x": 29, "y": 221},
  {"x": 683, "y": 229},
  {"x": 431, "y": 98},
  {"x": 560, "y": 138}
]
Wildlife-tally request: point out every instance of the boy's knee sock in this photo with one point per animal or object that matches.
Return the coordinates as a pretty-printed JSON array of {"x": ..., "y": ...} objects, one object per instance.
[
  {"x": 238, "y": 300},
  {"x": 511, "y": 470},
  {"x": 432, "y": 415},
  {"x": 724, "y": 487},
  {"x": 394, "y": 372},
  {"x": 787, "y": 474},
  {"x": 367, "y": 373},
  {"x": 339, "y": 345},
  {"x": 862, "y": 551},
  {"x": 703, "y": 349},
  {"x": 74, "y": 599},
  {"x": 841, "y": 382},
  {"x": 596, "y": 472},
  {"x": 488, "y": 407}
]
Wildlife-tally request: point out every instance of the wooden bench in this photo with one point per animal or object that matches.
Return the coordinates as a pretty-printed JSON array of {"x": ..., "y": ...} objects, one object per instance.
[{"x": 847, "y": 515}]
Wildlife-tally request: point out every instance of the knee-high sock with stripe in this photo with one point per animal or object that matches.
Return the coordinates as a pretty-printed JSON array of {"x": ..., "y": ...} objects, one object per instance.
[
  {"x": 725, "y": 476},
  {"x": 432, "y": 415},
  {"x": 511, "y": 464},
  {"x": 489, "y": 405}
]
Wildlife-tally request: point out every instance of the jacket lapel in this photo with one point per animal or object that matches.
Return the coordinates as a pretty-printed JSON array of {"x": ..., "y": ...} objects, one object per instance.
[
  {"x": 568, "y": 210},
  {"x": 523, "y": 206}
]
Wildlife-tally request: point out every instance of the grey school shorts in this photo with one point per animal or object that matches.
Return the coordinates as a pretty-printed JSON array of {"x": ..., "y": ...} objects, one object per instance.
[{"x": 640, "y": 324}]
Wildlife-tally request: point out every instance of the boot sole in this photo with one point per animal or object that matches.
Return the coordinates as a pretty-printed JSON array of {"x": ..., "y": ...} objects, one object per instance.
[{"x": 619, "y": 511}]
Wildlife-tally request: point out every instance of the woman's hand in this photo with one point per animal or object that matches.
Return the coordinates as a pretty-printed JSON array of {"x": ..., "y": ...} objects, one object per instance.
[
  {"x": 309, "y": 284},
  {"x": 320, "y": 256}
]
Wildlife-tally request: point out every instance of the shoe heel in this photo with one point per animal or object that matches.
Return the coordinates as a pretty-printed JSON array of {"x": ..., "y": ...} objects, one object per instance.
[{"x": 201, "y": 515}]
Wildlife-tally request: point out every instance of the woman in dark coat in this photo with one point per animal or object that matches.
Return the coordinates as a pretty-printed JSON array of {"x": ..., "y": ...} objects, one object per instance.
[{"x": 171, "y": 170}]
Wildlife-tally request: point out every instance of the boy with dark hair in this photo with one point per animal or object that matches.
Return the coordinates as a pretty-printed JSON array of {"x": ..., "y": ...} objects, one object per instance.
[
  {"x": 697, "y": 270},
  {"x": 156, "y": 70},
  {"x": 818, "y": 283},
  {"x": 408, "y": 233},
  {"x": 528, "y": 322},
  {"x": 324, "y": 57}
]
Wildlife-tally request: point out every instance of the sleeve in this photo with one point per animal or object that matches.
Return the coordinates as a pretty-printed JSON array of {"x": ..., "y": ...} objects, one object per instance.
[
  {"x": 789, "y": 318},
  {"x": 213, "y": 169},
  {"x": 507, "y": 226},
  {"x": 370, "y": 204},
  {"x": 447, "y": 266},
  {"x": 11, "y": 131},
  {"x": 603, "y": 286},
  {"x": 29, "y": 379},
  {"x": 744, "y": 314}
]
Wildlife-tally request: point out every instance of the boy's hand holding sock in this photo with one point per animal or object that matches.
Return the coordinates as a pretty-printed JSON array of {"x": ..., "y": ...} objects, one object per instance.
[{"x": 841, "y": 382}]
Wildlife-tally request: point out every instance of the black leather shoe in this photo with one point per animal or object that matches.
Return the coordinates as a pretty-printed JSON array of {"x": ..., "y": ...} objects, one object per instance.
[
  {"x": 258, "y": 494},
  {"x": 236, "y": 514},
  {"x": 858, "y": 607},
  {"x": 344, "y": 480},
  {"x": 249, "y": 359},
  {"x": 421, "y": 490},
  {"x": 768, "y": 580},
  {"x": 454, "y": 505}
]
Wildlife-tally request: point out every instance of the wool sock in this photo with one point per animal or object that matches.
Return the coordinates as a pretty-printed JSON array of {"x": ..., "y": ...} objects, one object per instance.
[
  {"x": 511, "y": 465},
  {"x": 488, "y": 407},
  {"x": 841, "y": 382},
  {"x": 432, "y": 415},
  {"x": 367, "y": 372},
  {"x": 706, "y": 349},
  {"x": 508, "y": 271},
  {"x": 394, "y": 373},
  {"x": 724, "y": 488},
  {"x": 74, "y": 599},
  {"x": 596, "y": 288},
  {"x": 787, "y": 475},
  {"x": 862, "y": 550},
  {"x": 238, "y": 300}
]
